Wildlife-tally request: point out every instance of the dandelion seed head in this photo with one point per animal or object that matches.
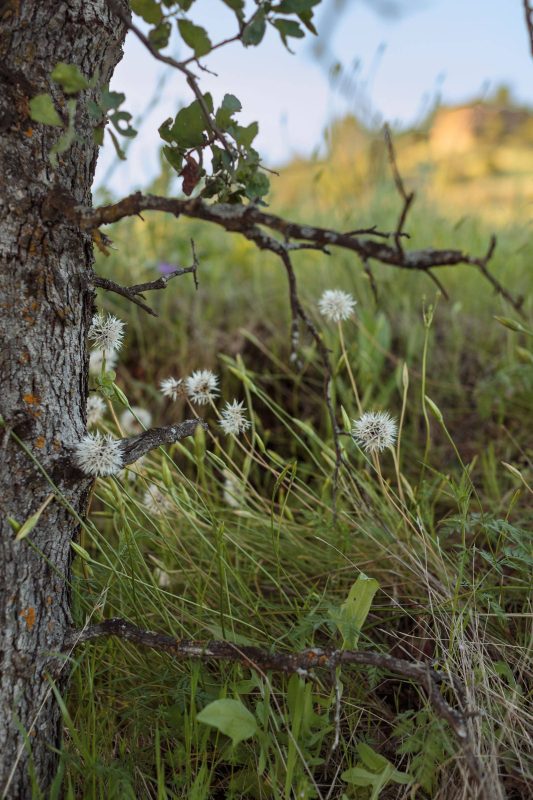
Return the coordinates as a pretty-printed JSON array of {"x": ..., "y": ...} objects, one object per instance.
[
  {"x": 96, "y": 360},
  {"x": 233, "y": 418},
  {"x": 336, "y": 305},
  {"x": 136, "y": 420},
  {"x": 374, "y": 431},
  {"x": 156, "y": 501},
  {"x": 172, "y": 387},
  {"x": 202, "y": 386},
  {"x": 106, "y": 332},
  {"x": 98, "y": 454},
  {"x": 95, "y": 409}
]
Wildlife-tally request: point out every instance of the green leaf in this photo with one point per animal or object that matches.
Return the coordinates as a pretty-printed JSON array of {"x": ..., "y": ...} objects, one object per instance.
[
  {"x": 190, "y": 124},
  {"x": 371, "y": 759},
  {"x": 255, "y": 30},
  {"x": 147, "y": 9},
  {"x": 237, "y": 6},
  {"x": 358, "y": 776},
  {"x": 66, "y": 139},
  {"x": 111, "y": 100},
  {"x": 295, "y": 6},
  {"x": 174, "y": 157},
  {"x": 42, "y": 109},
  {"x": 257, "y": 186},
  {"x": 286, "y": 28},
  {"x": 354, "y": 610},
  {"x": 195, "y": 36},
  {"x": 230, "y": 717},
  {"x": 230, "y": 105},
  {"x": 69, "y": 78},
  {"x": 160, "y": 35},
  {"x": 125, "y": 129},
  {"x": 245, "y": 135}
]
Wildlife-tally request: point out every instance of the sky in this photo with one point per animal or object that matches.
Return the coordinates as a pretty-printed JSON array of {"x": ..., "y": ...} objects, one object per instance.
[{"x": 393, "y": 69}]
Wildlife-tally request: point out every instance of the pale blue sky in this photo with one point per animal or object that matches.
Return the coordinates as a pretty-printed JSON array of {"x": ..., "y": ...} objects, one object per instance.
[{"x": 460, "y": 48}]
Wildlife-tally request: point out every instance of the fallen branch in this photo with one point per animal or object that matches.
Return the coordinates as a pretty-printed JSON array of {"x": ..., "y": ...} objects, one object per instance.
[{"x": 302, "y": 663}]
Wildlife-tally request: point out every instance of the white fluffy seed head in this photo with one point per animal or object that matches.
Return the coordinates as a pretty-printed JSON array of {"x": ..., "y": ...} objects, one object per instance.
[
  {"x": 172, "y": 388},
  {"x": 106, "y": 332},
  {"x": 96, "y": 360},
  {"x": 136, "y": 420},
  {"x": 374, "y": 431},
  {"x": 95, "y": 409},
  {"x": 233, "y": 418},
  {"x": 336, "y": 305},
  {"x": 98, "y": 454},
  {"x": 157, "y": 502},
  {"x": 202, "y": 386}
]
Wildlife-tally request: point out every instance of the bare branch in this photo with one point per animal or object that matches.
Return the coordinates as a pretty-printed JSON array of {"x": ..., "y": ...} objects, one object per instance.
[
  {"x": 406, "y": 197},
  {"x": 136, "y": 446},
  {"x": 528, "y": 11},
  {"x": 133, "y": 293},
  {"x": 423, "y": 674}
]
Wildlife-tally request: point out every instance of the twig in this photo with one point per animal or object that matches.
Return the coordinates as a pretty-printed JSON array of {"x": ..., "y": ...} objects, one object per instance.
[
  {"x": 301, "y": 663},
  {"x": 133, "y": 293},
  {"x": 407, "y": 197},
  {"x": 528, "y": 11}
]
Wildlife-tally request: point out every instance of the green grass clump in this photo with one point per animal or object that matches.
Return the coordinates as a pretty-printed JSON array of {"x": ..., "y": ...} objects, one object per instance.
[{"x": 235, "y": 538}]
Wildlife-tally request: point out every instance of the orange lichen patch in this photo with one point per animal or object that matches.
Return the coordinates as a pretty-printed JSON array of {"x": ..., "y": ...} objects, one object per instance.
[
  {"x": 49, "y": 600},
  {"x": 32, "y": 399},
  {"x": 28, "y": 614},
  {"x": 24, "y": 357},
  {"x": 29, "y": 132},
  {"x": 39, "y": 442}
]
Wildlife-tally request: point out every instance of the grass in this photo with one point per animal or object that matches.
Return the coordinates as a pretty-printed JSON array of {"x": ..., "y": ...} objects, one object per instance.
[{"x": 236, "y": 538}]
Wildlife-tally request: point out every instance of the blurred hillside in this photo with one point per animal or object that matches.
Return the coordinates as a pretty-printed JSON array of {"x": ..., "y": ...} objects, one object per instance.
[{"x": 475, "y": 159}]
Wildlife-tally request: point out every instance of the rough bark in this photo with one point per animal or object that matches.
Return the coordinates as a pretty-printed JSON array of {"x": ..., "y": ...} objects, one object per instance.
[{"x": 46, "y": 306}]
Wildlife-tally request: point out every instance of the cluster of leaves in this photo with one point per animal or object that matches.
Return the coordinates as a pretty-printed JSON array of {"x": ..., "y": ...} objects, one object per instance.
[
  {"x": 71, "y": 81},
  {"x": 162, "y": 13},
  {"x": 235, "y": 167}
]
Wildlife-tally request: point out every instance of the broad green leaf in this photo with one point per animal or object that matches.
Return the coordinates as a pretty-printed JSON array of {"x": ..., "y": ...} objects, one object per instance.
[
  {"x": 195, "y": 36},
  {"x": 257, "y": 186},
  {"x": 190, "y": 124},
  {"x": 244, "y": 135},
  {"x": 69, "y": 78},
  {"x": 230, "y": 717},
  {"x": 358, "y": 776},
  {"x": 110, "y": 100},
  {"x": 355, "y": 608},
  {"x": 42, "y": 109},
  {"x": 286, "y": 28},
  {"x": 66, "y": 138},
  {"x": 121, "y": 121},
  {"x": 237, "y": 6},
  {"x": 229, "y": 106},
  {"x": 296, "y": 6},
  {"x": 160, "y": 35},
  {"x": 147, "y": 9},
  {"x": 174, "y": 157},
  {"x": 370, "y": 758},
  {"x": 255, "y": 30}
]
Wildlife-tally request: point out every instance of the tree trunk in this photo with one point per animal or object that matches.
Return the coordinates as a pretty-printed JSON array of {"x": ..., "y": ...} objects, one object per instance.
[{"x": 46, "y": 305}]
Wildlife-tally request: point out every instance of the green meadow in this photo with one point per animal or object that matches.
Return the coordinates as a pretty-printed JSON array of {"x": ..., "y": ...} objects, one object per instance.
[{"x": 236, "y": 538}]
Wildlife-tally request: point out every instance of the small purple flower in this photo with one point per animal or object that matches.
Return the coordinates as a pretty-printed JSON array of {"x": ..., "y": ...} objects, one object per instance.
[{"x": 164, "y": 268}]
